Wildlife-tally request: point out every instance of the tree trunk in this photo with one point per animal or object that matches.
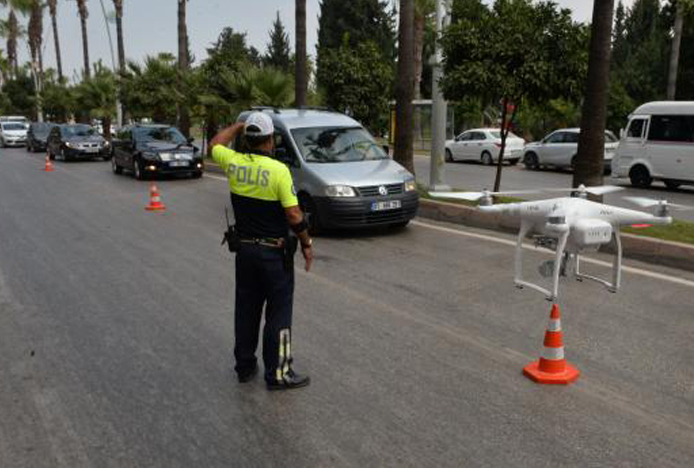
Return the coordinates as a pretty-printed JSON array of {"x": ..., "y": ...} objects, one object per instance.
[
  {"x": 119, "y": 33},
  {"x": 404, "y": 91},
  {"x": 419, "y": 23},
  {"x": 675, "y": 54},
  {"x": 183, "y": 65},
  {"x": 589, "y": 167},
  {"x": 83, "y": 12},
  {"x": 56, "y": 40},
  {"x": 301, "y": 73},
  {"x": 505, "y": 129},
  {"x": 12, "y": 37}
]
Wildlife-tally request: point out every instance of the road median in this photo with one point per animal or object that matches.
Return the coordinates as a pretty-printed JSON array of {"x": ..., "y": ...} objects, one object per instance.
[{"x": 655, "y": 251}]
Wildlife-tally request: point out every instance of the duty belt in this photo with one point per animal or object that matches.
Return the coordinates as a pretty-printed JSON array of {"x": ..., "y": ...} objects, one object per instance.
[{"x": 264, "y": 241}]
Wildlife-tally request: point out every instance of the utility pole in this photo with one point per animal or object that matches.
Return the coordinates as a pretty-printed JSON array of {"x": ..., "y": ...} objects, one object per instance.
[{"x": 439, "y": 110}]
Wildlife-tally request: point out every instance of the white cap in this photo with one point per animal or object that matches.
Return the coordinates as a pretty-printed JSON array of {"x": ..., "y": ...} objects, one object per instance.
[{"x": 259, "y": 124}]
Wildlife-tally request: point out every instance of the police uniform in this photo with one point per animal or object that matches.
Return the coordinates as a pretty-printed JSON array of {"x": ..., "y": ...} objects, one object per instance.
[{"x": 261, "y": 188}]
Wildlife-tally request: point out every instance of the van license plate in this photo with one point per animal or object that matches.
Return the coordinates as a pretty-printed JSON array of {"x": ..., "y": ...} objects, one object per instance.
[{"x": 385, "y": 205}]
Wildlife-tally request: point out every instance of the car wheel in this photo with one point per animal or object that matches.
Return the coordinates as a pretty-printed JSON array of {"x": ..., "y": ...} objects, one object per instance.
[
  {"x": 449, "y": 156},
  {"x": 487, "y": 159},
  {"x": 671, "y": 184},
  {"x": 531, "y": 162},
  {"x": 116, "y": 168},
  {"x": 308, "y": 206},
  {"x": 137, "y": 170},
  {"x": 640, "y": 177}
]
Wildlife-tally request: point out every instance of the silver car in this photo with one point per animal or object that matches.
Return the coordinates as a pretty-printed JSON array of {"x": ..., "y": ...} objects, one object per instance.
[
  {"x": 343, "y": 178},
  {"x": 559, "y": 148},
  {"x": 13, "y": 134}
]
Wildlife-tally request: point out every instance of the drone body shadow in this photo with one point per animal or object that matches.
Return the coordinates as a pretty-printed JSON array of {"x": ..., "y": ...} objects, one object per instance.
[{"x": 568, "y": 226}]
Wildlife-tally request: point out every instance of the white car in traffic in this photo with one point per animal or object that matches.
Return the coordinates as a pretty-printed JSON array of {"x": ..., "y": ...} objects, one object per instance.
[
  {"x": 559, "y": 148},
  {"x": 12, "y": 134},
  {"x": 484, "y": 145}
]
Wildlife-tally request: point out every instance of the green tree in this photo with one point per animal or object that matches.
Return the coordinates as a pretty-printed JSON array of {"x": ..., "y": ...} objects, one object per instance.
[
  {"x": 11, "y": 30},
  {"x": 57, "y": 97},
  {"x": 97, "y": 96},
  {"x": 358, "y": 82},
  {"x": 349, "y": 24},
  {"x": 278, "y": 50},
  {"x": 499, "y": 56}
]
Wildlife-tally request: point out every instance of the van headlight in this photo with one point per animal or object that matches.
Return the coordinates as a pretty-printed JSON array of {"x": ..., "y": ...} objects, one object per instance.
[
  {"x": 410, "y": 185},
  {"x": 340, "y": 191}
]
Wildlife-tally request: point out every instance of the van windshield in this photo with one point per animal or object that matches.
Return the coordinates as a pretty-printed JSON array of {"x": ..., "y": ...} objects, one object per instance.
[{"x": 337, "y": 144}]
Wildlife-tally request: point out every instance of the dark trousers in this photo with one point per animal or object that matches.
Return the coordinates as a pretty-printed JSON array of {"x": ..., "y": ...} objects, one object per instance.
[{"x": 263, "y": 281}]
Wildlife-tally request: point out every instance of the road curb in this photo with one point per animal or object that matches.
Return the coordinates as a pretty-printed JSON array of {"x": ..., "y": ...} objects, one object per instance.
[{"x": 655, "y": 251}]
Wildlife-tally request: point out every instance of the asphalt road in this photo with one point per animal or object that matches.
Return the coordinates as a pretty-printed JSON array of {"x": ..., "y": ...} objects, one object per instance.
[
  {"x": 116, "y": 334},
  {"x": 474, "y": 176}
]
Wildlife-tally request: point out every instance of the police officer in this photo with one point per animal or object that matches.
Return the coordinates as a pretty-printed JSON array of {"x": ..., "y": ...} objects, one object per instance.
[{"x": 265, "y": 209}]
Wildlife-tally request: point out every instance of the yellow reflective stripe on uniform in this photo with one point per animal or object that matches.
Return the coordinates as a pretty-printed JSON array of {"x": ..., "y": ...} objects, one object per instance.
[{"x": 256, "y": 176}]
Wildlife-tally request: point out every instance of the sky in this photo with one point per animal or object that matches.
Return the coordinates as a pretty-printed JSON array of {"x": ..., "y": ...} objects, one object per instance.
[{"x": 150, "y": 26}]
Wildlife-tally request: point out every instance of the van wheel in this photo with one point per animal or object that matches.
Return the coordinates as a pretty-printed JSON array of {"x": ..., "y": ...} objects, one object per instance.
[
  {"x": 640, "y": 177},
  {"x": 671, "y": 184},
  {"x": 308, "y": 206}
]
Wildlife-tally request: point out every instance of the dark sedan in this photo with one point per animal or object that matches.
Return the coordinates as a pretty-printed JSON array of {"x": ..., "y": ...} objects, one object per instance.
[
  {"x": 77, "y": 142},
  {"x": 37, "y": 136},
  {"x": 149, "y": 150}
]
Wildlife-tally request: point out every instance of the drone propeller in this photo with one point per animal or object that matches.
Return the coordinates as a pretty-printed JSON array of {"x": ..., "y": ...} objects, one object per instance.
[
  {"x": 645, "y": 202},
  {"x": 476, "y": 196},
  {"x": 582, "y": 189}
]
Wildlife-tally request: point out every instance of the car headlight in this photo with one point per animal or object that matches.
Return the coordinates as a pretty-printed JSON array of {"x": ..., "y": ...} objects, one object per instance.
[
  {"x": 410, "y": 185},
  {"x": 340, "y": 191},
  {"x": 69, "y": 145},
  {"x": 107, "y": 143}
]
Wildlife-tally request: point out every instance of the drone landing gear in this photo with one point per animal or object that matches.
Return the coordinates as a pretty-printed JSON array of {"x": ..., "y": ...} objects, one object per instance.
[
  {"x": 557, "y": 265},
  {"x": 614, "y": 285}
]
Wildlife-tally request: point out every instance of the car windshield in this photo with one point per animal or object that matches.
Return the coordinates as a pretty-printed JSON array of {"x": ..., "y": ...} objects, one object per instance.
[
  {"x": 40, "y": 129},
  {"x": 167, "y": 134},
  {"x": 337, "y": 144},
  {"x": 78, "y": 131},
  {"x": 13, "y": 126}
]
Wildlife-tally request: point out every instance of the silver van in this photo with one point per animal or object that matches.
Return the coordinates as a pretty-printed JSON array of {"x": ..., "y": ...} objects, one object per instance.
[{"x": 343, "y": 178}]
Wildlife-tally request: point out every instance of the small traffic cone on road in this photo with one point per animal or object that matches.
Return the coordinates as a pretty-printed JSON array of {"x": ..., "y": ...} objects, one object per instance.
[
  {"x": 49, "y": 165},
  {"x": 155, "y": 203},
  {"x": 552, "y": 367}
]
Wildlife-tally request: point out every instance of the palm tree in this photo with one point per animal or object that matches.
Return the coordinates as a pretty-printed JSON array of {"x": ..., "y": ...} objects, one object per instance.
[
  {"x": 301, "y": 73},
  {"x": 53, "y": 9},
  {"x": 404, "y": 87},
  {"x": 591, "y": 145},
  {"x": 84, "y": 14},
  {"x": 183, "y": 64},
  {"x": 675, "y": 54},
  {"x": 13, "y": 31}
]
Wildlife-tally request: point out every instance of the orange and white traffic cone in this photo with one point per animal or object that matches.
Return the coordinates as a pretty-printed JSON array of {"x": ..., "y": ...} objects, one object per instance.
[
  {"x": 49, "y": 165},
  {"x": 155, "y": 203},
  {"x": 552, "y": 367}
]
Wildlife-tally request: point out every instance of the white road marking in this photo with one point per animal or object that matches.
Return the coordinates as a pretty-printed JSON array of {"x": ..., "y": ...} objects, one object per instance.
[
  {"x": 216, "y": 177},
  {"x": 627, "y": 269}
]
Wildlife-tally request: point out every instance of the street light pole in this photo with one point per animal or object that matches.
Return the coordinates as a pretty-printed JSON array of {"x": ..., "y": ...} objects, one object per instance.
[{"x": 439, "y": 109}]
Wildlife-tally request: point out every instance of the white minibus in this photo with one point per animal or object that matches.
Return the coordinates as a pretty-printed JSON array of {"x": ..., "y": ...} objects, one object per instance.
[{"x": 657, "y": 144}]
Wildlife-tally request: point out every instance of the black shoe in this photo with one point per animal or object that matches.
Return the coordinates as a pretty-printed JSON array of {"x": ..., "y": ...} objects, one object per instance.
[
  {"x": 291, "y": 380},
  {"x": 248, "y": 376}
]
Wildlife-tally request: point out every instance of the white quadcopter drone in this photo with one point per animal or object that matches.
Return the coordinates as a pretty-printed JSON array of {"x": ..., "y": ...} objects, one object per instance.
[{"x": 569, "y": 226}]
